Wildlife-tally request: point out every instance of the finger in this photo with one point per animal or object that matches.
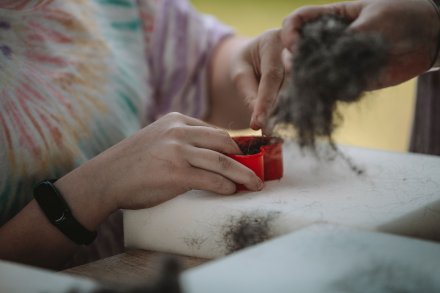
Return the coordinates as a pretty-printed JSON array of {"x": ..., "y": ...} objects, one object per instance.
[
  {"x": 204, "y": 180},
  {"x": 215, "y": 139},
  {"x": 246, "y": 83},
  {"x": 293, "y": 23},
  {"x": 272, "y": 76},
  {"x": 221, "y": 164},
  {"x": 363, "y": 21}
]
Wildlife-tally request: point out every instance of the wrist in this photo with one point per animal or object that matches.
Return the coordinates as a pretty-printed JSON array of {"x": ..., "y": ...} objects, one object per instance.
[
  {"x": 82, "y": 193},
  {"x": 59, "y": 214}
]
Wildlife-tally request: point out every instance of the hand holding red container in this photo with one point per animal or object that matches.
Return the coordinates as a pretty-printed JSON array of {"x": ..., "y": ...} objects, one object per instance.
[{"x": 261, "y": 154}]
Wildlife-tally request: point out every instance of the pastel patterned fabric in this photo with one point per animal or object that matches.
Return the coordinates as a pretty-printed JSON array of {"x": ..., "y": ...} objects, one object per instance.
[{"x": 77, "y": 76}]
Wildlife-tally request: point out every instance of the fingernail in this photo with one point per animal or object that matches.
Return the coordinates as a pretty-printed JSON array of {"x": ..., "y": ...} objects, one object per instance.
[
  {"x": 260, "y": 184},
  {"x": 261, "y": 120},
  {"x": 253, "y": 121},
  {"x": 236, "y": 146},
  {"x": 238, "y": 152}
]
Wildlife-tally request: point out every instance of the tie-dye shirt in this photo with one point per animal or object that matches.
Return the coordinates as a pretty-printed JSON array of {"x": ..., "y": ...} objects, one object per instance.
[{"x": 77, "y": 76}]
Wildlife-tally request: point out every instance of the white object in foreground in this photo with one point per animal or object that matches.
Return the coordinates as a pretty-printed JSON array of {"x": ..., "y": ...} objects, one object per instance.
[
  {"x": 323, "y": 258},
  {"x": 17, "y": 278}
]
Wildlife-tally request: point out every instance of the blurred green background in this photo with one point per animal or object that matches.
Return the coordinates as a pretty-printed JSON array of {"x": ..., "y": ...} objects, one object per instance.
[{"x": 382, "y": 120}]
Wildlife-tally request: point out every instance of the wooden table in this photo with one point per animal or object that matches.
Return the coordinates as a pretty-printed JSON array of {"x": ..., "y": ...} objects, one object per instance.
[{"x": 130, "y": 268}]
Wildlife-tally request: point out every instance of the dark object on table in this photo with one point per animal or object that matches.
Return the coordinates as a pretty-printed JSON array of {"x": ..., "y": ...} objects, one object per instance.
[{"x": 330, "y": 64}]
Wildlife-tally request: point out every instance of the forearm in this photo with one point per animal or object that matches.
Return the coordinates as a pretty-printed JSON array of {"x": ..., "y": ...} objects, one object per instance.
[
  {"x": 228, "y": 107},
  {"x": 30, "y": 238}
]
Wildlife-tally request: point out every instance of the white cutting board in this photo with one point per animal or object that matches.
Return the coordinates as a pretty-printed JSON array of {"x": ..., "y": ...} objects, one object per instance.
[
  {"x": 323, "y": 258},
  {"x": 399, "y": 193}
]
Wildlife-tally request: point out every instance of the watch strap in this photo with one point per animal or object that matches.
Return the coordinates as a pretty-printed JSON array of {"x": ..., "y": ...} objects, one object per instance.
[{"x": 59, "y": 214}]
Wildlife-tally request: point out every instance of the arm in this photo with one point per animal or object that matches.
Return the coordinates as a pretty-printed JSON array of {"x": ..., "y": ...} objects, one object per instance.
[
  {"x": 169, "y": 157},
  {"x": 30, "y": 238}
]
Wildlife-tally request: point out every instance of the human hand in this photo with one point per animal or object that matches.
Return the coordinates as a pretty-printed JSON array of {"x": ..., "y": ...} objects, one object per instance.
[
  {"x": 258, "y": 72},
  {"x": 411, "y": 28},
  {"x": 169, "y": 157}
]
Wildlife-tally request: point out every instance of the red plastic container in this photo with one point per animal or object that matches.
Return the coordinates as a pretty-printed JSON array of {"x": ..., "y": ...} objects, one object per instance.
[{"x": 261, "y": 154}]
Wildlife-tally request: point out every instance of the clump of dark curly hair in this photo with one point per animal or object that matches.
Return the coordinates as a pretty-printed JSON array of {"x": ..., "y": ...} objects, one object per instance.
[
  {"x": 248, "y": 229},
  {"x": 330, "y": 64}
]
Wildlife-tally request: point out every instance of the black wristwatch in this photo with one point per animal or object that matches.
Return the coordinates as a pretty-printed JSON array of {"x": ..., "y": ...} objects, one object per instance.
[{"x": 58, "y": 212}]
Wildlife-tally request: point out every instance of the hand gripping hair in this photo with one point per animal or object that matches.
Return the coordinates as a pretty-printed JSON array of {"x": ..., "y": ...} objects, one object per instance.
[{"x": 330, "y": 64}]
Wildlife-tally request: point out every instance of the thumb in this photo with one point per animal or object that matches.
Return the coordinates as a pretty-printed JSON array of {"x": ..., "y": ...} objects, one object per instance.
[{"x": 293, "y": 23}]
